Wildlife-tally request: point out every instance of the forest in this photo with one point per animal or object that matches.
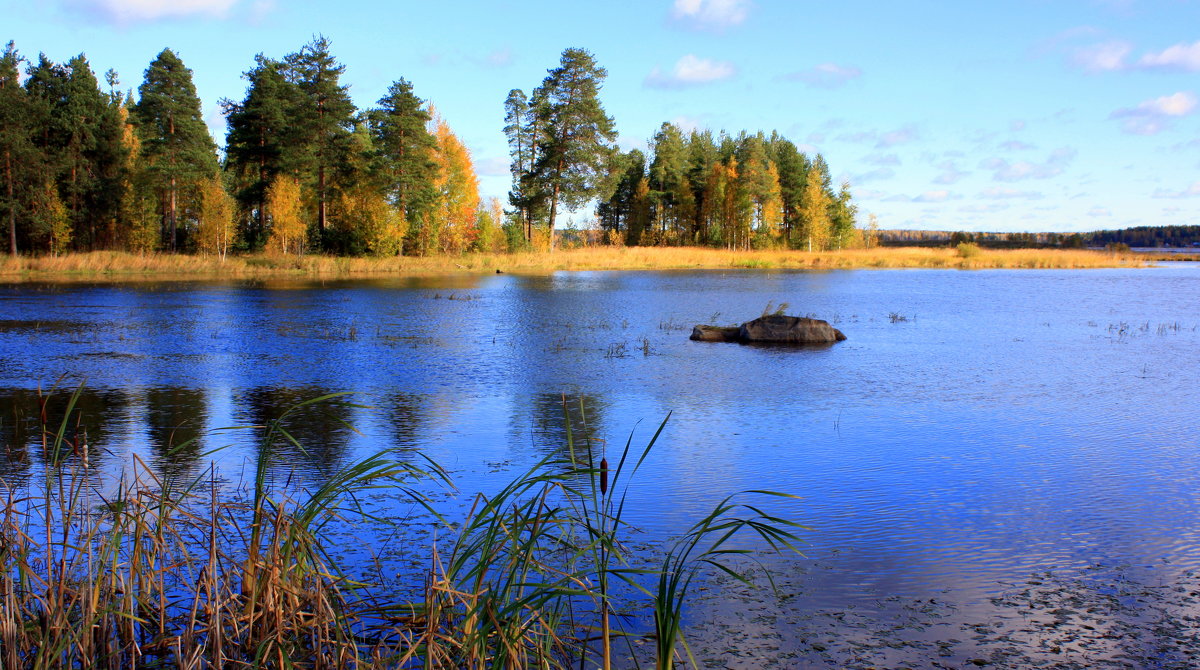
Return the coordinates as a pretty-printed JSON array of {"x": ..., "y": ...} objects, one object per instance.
[{"x": 89, "y": 167}]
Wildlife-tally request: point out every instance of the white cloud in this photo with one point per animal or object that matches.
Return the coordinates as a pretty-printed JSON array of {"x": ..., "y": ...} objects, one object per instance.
[
  {"x": 1098, "y": 212},
  {"x": 898, "y": 136},
  {"x": 1016, "y": 125},
  {"x": 1103, "y": 57},
  {"x": 950, "y": 174},
  {"x": 493, "y": 167},
  {"x": 984, "y": 209},
  {"x": 874, "y": 175},
  {"x": 1001, "y": 193},
  {"x": 926, "y": 197},
  {"x": 1178, "y": 58},
  {"x": 882, "y": 159},
  {"x": 711, "y": 14},
  {"x": 1016, "y": 145},
  {"x": 936, "y": 196},
  {"x": 825, "y": 75},
  {"x": 1189, "y": 192},
  {"x": 1055, "y": 163},
  {"x": 690, "y": 71},
  {"x": 502, "y": 57},
  {"x": 139, "y": 11},
  {"x": 1153, "y": 116},
  {"x": 688, "y": 123},
  {"x": 860, "y": 136}
]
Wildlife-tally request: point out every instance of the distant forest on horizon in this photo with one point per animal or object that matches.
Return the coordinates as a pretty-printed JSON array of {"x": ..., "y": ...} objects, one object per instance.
[{"x": 1176, "y": 237}]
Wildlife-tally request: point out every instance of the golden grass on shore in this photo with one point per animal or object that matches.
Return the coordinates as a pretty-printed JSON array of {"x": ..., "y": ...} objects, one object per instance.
[{"x": 120, "y": 266}]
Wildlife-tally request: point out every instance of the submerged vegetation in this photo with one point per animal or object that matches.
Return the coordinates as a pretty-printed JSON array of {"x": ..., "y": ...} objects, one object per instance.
[{"x": 170, "y": 571}]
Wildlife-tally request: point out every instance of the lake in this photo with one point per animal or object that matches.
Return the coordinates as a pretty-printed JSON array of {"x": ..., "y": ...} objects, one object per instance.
[{"x": 984, "y": 445}]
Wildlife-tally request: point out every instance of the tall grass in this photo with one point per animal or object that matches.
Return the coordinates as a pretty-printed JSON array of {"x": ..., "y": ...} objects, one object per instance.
[
  {"x": 175, "y": 573},
  {"x": 119, "y": 266}
]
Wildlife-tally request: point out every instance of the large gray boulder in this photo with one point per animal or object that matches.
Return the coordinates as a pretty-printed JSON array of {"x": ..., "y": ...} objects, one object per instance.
[
  {"x": 776, "y": 328},
  {"x": 789, "y": 330}
]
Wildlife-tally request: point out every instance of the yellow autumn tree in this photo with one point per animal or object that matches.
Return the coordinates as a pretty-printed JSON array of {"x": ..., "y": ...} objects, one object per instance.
[
  {"x": 490, "y": 218},
  {"x": 455, "y": 212},
  {"x": 815, "y": 222},
  {"x": 376, "y": 224},
  {"x": 52, "y": 220},
  {"x": 215, "y": 232},
  {"x": 139, "y": 220},
  {"x": 283, "y": 211}
]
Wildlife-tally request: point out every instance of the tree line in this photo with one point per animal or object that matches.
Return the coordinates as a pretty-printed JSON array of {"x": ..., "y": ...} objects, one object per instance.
[{"x": 85, "y": 167}]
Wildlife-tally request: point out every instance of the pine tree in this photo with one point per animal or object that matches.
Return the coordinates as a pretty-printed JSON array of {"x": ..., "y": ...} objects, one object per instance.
[
  {"x": 616, "y": 212},
  {"x": 519, "y": 128},
  {"x": 258, "y": 142},
  {"x": 761, "y": 181},
  {"x": 793, "y": 171},
  {"x": 702, "y": 154},
  {"x": 399, "y": 127},
  {"x": 45, "y": 87},
  {"x": 17, "y": 152},
  {"x": 324, "y": 119},
  {"x": 667, "y": 171},
  {"x": 574, "y": 135},
  {"x": 842, "y": 219},
  {"x": 177, "y": 151}
]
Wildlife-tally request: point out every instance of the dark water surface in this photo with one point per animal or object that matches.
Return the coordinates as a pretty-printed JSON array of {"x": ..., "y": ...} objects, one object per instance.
[{"x": 975, "y": 429}]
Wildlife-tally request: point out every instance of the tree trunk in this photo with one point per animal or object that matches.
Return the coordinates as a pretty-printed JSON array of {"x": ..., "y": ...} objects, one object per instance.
[
  {"x": 321, "y": 204},
  {"x": 553, "y": 213},
  {"x": 171, "y": 214},
  {"x": 12, "y": 205}
]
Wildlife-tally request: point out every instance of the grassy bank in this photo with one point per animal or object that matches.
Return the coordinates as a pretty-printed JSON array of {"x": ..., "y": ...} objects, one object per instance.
[
  {"x": 119, "y": 266},
  {"x": 180, "y": 573}
]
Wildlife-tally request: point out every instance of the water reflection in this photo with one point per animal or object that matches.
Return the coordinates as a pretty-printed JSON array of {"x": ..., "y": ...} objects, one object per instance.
[
  {"x": 316, "y": 433},
  {"x": 30, "y": 422},
  {"x": 176, "y": 420},
  {"x": 1012, "y": 422}
]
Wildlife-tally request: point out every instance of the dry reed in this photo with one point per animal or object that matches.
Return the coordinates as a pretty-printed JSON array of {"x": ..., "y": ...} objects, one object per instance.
[
  {"x": 119, "y": 266},
  {"x": 174, "y": 573}
]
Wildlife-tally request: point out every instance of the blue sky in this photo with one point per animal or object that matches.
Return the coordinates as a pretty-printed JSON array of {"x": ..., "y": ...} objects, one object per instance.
[{"x": 1063, "y": 115}]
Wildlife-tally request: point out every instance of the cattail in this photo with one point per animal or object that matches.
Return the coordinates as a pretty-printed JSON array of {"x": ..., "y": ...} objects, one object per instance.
[{"x": 603, "y": 476}]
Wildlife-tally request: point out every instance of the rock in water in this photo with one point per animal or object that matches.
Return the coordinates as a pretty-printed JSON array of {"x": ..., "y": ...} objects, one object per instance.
[
  {"x": 789, "y": 330},
  {"x": 716, "y": 333}
]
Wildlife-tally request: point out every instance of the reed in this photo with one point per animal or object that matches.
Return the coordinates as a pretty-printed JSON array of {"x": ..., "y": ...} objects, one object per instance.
[
  {"x": 174, "y": 573},
  {"x": 120, "y": 266}
]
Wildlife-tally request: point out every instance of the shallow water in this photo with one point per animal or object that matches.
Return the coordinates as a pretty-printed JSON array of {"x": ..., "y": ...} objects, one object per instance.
[{"x": 976, "y": 427}]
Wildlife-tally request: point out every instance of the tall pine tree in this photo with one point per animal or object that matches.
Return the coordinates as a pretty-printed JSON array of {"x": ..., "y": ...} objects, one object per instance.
[
  {"x": 177, "y": 150},
  {"x": 405, "y": 150},
  {"x": 258, "y": 142},
  {"x": 574, "y": 136},
  {"x": 17, "y": 152},
  {"x": 324, "y": 119}
]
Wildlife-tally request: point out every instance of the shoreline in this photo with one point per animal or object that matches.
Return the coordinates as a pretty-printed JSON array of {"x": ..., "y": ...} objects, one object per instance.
[{"x": 121, "y": 266}]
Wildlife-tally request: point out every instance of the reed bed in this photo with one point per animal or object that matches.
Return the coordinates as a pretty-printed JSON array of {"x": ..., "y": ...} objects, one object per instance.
[
  {"x": 173, "y": 573},
  {"x": 120, "y": 266}
]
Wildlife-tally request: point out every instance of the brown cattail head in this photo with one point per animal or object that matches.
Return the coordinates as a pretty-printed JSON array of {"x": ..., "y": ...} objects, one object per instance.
[{"x": 603, "y": 476}]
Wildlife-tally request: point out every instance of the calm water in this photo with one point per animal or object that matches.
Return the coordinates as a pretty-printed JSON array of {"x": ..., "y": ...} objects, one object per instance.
[{"x": 977, "y": 427}]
